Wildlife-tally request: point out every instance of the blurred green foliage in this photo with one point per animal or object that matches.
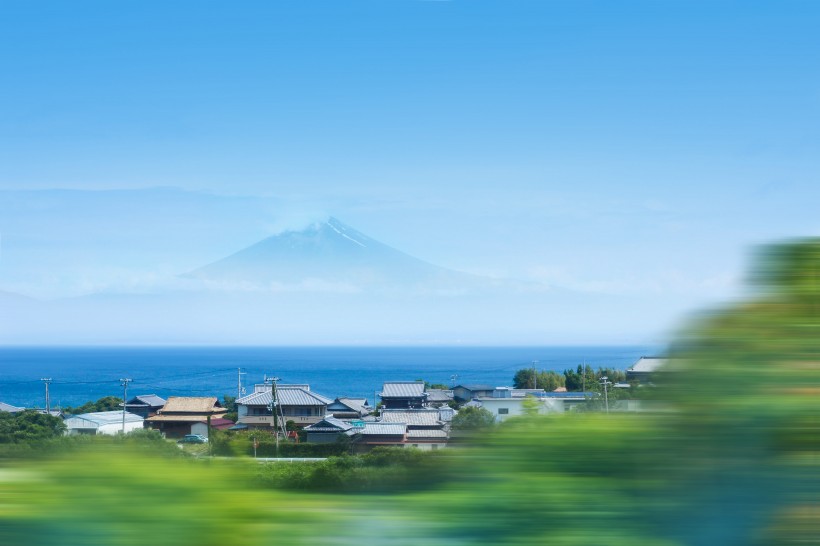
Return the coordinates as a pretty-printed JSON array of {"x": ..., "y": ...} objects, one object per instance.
[
  {"x": 472, "y": 418},
  {"x": 528, "y": 378},
  {"x": 29, "y": 426},
  {"x": 587, "y": 378},
  {"x": 106, "y": 403},
  {"x": 240, "y": 444},
  {"x": 384, "y": 469}
]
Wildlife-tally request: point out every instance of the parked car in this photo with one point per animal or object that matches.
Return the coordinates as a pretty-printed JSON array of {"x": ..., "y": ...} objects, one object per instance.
[{"x": 193, "y": 439}]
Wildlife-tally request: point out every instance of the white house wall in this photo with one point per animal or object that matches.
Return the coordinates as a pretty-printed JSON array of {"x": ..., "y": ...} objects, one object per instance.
[
  {"x": 515, "y": 406},
  {"x": 113, "y": 429}
]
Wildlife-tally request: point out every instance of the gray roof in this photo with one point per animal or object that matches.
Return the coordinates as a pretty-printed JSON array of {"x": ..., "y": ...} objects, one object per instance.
[
  {"x": 100, "y": 418},
  {"x": 146, "y": 400},
  {"x": 403, "y": 389},
  {"x": 412, "y": 417},
  {"x": 287, "y": 396},
  {"x": 520, "y": 393},
  {"x": 358, "y": 405},
  {"x": 439, "y": 395},
  {"x": 329, "y": 424},
  {"x": 648, "y": 364},
  {"x": 9, "y": 408},
  {"x": 476, "y": 387},
  {"x": 383, "y": 429}
]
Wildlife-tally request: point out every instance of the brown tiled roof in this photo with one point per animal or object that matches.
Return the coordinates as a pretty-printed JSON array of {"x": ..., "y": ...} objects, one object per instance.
[
  {"x": 178, "y": 418},
  {"x": 192, "y": 404}
]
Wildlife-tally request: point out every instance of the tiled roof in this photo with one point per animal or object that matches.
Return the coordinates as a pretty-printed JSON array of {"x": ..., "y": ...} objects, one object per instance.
[
  {"x": 412, "y": 417},
  {"x": 287, "y": 396},
  {"x": 146, "y": 400},
  {"x": 476, "y": 387},
  {"x": 190, "y": 418},
  {"x": 101, "y": 418},
  {"x": 9, "y": 408},
  {"x": 572, "y": 394},
  {"x": 648, "y": 364},
  {"x": 342, "y": 405},
  {"x": 439, "y": 395},
  {"x": 221, "y": 423},
  {"x": 520, "y": 393},
  {"x": 192, "y": 404},
  {"x": 403, "y": 389},
  {"x": 329, "y": 424},
  {"x": 383, "y": 429}
]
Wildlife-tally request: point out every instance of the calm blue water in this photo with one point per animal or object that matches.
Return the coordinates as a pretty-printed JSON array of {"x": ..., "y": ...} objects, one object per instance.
[{"x": 83, "y": 374}]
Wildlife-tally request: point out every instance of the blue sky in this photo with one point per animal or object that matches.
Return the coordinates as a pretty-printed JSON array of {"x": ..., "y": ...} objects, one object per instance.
[{"x": 630, "y": 147}]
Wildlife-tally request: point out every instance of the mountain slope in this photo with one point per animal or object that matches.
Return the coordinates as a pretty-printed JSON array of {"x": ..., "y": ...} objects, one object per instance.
[{"x": 329, "y": 254}]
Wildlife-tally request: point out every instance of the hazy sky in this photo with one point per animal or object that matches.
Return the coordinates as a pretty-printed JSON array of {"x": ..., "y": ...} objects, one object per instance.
[{"x": 614, "y": 146}]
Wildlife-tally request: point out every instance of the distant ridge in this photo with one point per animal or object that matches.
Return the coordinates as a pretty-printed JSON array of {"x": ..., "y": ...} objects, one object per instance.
[{"x": 328, "y": 253}]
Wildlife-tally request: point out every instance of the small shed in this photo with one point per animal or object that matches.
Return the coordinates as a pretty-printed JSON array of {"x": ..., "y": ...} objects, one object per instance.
[{"x": 103, "y": 422}]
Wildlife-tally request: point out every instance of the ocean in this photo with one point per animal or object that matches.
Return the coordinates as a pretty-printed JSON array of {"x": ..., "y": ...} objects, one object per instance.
[{"x": 82, "y": 374}]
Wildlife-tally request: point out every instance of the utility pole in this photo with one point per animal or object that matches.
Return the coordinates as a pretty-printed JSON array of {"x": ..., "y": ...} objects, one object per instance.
[
  {"x": 584, "y": 378},
  {"x": 47, "y": 381},
  {"x": 124, "y": 382},
  {"x": 453, "y": 379},
  {"x": 605, "y": 382},
  {"x": 274, "y": 410},
  {"x": 534, "y": 374},
  {"x": 240, "y": 390}
]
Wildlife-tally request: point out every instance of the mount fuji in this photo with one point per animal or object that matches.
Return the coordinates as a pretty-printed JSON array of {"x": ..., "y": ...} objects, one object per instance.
[{"x": 330, "y": 255}]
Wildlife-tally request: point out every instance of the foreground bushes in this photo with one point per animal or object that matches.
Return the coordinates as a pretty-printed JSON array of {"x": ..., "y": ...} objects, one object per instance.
[{"x": 384, "y": 469}]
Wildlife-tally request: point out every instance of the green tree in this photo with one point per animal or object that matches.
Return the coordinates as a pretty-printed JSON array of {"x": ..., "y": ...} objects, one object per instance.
[
  {"x": 588, "y": 378},
  {"x": 29, "y": 426},
  {"x": 106, "y": 403},
  {"x": 582, "y": 378},
  {"x": 527, "y": 378},
  {"x": 472, "y": 418}
]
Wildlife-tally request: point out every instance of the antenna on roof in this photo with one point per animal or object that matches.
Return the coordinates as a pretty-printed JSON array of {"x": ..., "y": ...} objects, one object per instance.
[{"x": 240, "y": 390}]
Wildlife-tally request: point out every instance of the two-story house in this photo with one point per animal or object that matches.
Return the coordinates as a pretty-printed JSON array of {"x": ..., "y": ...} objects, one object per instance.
[{"x": 295, "y": 403}]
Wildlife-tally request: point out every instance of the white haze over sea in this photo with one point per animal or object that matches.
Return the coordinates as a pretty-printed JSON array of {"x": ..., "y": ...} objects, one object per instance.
[{"x": 110, "y": 266}]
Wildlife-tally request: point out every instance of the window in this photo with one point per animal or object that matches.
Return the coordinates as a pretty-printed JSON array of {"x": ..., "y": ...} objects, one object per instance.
[{"x": 503, "y": 411}]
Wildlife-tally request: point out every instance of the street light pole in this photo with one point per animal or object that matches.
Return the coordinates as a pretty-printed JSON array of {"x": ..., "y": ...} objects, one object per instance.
[{"x": 605, "y": 382}]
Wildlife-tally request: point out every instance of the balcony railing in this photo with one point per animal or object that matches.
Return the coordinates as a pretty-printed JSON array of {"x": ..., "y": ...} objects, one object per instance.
[{"x": 267, "y": 420}]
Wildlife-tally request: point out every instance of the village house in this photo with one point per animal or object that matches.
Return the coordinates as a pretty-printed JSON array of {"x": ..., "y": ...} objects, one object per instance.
[
  {"x": 103, "y": 422},
  {"x": 330, "y": 430},
  {"x": 425, "y": 427},
  {"x": 9, "y": 408},
  {"x": 403, "y": 395},
  {"x": 465, "y": 393},
  {"x": 349, "y": 408},
  {"x": 145, "y": 405},
  {"x": 295, "y": 402},
  {"x": 645, "y": 369},
  {"x": 437, "y": 398},
  {"x": 376, "y": 434},
  {"x": 506, "y": 402},
  {"x": 183, "y": 415}
]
